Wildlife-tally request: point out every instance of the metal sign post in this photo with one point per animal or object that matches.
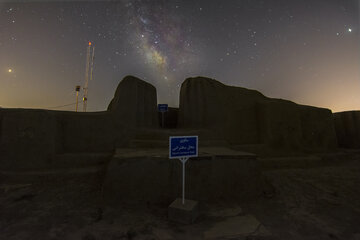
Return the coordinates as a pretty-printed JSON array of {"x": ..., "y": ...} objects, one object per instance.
[
  {"x": 183, "y": 148},
  {"x": 162, "y": 108},
  {"x": 183, "y": 160},
  {"x": 162, "y": 119}
]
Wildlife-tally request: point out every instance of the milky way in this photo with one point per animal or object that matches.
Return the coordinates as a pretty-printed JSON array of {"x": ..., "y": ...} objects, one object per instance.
[
  {"x": 162, "y": 40},
  {"x": 306, "y": 51}
]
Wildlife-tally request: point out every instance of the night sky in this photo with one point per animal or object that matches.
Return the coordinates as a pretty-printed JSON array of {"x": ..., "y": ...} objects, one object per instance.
[{"x": 305, "y": 51}]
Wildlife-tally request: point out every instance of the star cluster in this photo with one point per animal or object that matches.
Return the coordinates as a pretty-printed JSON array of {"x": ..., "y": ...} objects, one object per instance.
[
  {"x": 160, "y": 37},
  {"x": 306, "y": 51}
]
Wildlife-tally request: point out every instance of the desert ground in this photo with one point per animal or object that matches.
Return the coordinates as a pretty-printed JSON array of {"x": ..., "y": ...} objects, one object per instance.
[{"x": 312, "y": 197}]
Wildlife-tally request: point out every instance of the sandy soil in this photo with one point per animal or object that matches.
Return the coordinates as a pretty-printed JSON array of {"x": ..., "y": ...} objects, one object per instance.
[{"x": 321, "y": 202}]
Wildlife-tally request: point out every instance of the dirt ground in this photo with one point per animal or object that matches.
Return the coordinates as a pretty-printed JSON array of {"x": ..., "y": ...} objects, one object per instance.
[{"x": 319, "y": 202}]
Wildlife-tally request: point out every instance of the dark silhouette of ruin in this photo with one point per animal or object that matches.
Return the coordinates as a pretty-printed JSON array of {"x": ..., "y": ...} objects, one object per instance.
[{"x": 226, "y": 119}]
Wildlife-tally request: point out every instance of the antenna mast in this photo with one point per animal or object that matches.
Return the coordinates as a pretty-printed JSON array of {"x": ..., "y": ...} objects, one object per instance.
[{"x": 89, "y": 69}]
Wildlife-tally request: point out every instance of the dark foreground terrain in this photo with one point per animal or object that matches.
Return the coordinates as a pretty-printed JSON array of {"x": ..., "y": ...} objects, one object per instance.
[{"x": 309, "y": 201}]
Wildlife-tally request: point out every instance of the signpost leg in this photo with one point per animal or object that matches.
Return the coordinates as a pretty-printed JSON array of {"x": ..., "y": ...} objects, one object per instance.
[
  {"x": 182, "y": 148},
  {"x": 162, "y": 119},
  {"x": 183, "y": 160},
  {"x": 183, "y": 190}
]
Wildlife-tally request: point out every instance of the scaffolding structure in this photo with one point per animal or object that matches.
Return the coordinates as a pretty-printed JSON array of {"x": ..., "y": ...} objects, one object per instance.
[{"x": 90, "y": 55}]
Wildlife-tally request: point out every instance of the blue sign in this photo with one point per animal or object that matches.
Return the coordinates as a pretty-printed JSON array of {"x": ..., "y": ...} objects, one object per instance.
[
  {"x": 162, "y": 107},
  {"x": 184, "y": 146}
]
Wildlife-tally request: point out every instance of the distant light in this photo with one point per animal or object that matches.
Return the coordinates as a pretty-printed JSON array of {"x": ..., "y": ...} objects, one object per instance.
[
  {"x": 350, "y": 30},
  {"x": 10, "y": 70},
  {"x": 89, "y": 43}
]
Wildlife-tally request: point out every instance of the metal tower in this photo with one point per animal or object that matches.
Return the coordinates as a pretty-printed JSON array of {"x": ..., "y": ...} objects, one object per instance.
[{"x": 88, "y": 71}]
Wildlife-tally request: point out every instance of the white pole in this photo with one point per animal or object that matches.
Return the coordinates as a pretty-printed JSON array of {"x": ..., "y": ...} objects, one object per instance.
[
  {"x": 183, "y": 193},
  {"x": 183, "y": 160},
  {"x": 162, "y": 119}
]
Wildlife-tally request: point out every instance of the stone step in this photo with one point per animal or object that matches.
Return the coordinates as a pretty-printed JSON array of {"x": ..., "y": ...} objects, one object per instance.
[
  {"x": 203, "y": 153},
  {"x": 275, "y": 163},
  {"x": 152, "y": 135},
  {"x": 149, "y": 176},
  {"x": 164, "y": 134},
  {"x": 39, "y": 175},
  {"x": 142, "y": 143},
  {"x": 309, "y": 161},
  {"x": 217, "y": 143},
  {"x": 76, "y": 160}
]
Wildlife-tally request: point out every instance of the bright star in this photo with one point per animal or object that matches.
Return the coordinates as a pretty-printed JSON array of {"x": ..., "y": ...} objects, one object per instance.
[
  {"x": 350, "y": 30},
  {"x": 10, "y": 70}
]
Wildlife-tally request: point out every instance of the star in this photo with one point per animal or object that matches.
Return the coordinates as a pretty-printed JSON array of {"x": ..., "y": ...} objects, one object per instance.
[{"x": 172, "y": 41}]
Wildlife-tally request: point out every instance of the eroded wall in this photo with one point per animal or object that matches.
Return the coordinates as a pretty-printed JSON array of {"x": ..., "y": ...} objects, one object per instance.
[
  {"x": 31, "y": 138},
  {"x": 28, "y": 137},
  {"x": 347, "y": 126},
  {"x": 244, "y": 116}
]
